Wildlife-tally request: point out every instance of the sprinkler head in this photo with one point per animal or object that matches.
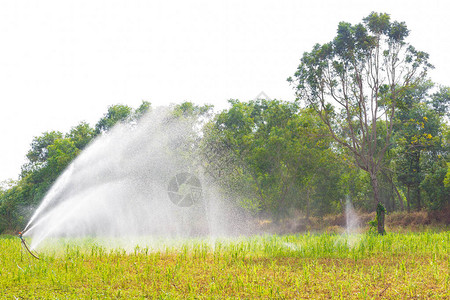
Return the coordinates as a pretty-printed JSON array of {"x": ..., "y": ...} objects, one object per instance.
[{"x": 25, "y": 245}]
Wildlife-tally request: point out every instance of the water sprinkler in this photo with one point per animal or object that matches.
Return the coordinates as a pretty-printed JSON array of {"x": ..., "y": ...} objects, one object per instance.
[{"x": 25, "y": 245}]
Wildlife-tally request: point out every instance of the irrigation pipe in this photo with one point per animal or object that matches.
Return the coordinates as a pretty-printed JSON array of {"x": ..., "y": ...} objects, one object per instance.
[{"x": 25, "y": 245}]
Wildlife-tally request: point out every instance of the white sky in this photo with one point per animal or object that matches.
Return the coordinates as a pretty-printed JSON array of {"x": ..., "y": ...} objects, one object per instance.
[{"x": 62, "y": 62}]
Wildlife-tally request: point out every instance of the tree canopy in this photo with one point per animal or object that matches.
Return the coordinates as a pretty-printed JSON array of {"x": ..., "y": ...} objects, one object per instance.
[{"x": 357, "y": 81}]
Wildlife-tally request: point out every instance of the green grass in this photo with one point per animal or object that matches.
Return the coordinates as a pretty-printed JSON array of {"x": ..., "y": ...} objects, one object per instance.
[{"x": 405, "y": 265}]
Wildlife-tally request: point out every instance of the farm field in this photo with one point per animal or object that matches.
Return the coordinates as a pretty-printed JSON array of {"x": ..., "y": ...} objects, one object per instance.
[{"x": 317, "y": 266}]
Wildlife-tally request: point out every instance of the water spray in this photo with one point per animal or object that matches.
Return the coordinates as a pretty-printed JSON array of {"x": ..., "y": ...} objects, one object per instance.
[
  {"x": 184, "y": 190},
  {"x": 25, "y": 245},
  {"x": 136, "y": 181}
]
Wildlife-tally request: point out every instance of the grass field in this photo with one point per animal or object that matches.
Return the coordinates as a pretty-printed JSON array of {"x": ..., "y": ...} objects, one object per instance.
[{"x": 316, "y": 266}]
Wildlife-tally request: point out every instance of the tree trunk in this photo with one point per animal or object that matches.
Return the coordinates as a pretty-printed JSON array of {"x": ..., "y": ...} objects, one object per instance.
[
  {"x": 419, "y": 200},
  {"x": 380, "y": 218},
  {"x": 393, "y": 198},
  {"x": 380, "y": 212},
  {"x": 402, "y": 208},
  {"x": 400, "y": 200}
]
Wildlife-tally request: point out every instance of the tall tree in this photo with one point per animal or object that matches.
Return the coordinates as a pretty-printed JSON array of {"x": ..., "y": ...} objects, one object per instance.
[{"x": 357, "y": 80}]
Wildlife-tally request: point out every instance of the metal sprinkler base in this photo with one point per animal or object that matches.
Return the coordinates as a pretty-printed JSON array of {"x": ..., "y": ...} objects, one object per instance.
[{"x": 25, "y": 245}]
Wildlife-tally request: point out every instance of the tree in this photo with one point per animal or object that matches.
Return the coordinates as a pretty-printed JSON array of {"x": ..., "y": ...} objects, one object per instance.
[
  {"x": 440, "y": 101},
  {"x": 418, "y": 139},
  {"x": 190, "y": 118},
  {"x": 116, "y": 113},
  {"x": 60, "y": 154},
  {"x": 190, "y": 110},
  {"x": 142, "y": 109},
  {"x": 268, "y": 154},
  {"x": 357, "y": 80},
  {"x": 38, "y": 154},
  {"x": 81, "y": 135},
  {"x": 12, "y": 206}
]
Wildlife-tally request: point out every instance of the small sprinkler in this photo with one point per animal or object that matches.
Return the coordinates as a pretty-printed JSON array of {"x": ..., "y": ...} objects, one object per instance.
[{"x": 25, "y": 245}]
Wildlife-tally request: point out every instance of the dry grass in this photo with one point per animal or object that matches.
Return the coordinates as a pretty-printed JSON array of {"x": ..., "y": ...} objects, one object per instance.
[{"x": 395, "y": 221}]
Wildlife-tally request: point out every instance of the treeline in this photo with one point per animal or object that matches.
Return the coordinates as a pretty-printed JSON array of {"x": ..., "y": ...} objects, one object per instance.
[
  {"x": 278, "y": 157},
  {"x": 270, "y": 157},
  {"x": 367, "y": 126}
]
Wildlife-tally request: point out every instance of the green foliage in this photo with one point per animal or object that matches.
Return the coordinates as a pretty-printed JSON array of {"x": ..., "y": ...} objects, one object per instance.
[
  {"x": 421, "y": 152},
  {"x": 38, "y": 153},
  {"x": 11, "y": 208},
  {"x": 307, "y": 266},
  {"x": 60, "y": 155},
  {"x": 190, "y": 110},
  {"x": 142, "y": 109},
  {"x": 81, "y": 135},
  {"x": 355, "y": 183},
  {"x": 373, "y": 225},
  {"x": 436, "y": 194},
  {"x": 440, "y": 101},
  {"x": 273, "y": 154},
  {"x": 447, "y": 177},
  {"x": 116, "y": 113}
]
